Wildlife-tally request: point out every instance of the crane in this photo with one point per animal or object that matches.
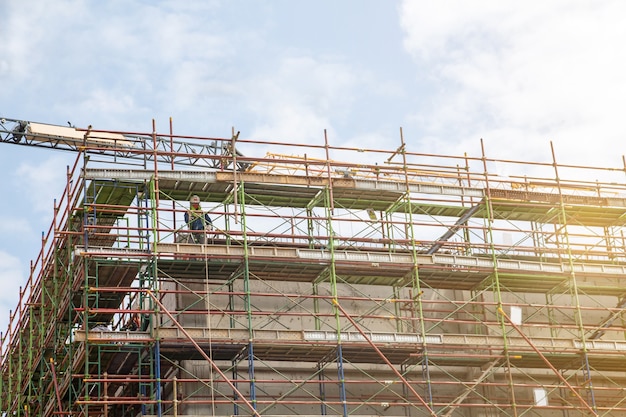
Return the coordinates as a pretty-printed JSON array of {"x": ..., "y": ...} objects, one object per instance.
[{"x": 118, "y": 145}]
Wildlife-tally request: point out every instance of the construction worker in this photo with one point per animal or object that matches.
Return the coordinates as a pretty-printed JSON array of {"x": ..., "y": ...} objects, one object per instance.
[{"x": 197, "y": 220}]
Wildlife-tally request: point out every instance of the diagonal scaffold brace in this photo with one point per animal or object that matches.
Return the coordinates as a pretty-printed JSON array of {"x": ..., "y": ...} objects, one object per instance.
[
  {"x": 203, "y": 353},
  {"x": 384, "y": 358}
]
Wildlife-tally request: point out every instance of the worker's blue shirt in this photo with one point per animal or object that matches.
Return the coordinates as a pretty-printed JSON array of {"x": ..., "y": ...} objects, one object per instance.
[{"x": 197, "y": 220}]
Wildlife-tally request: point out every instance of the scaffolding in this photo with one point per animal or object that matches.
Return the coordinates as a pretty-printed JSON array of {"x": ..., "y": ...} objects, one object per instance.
[{"x": 395, "y": 284}]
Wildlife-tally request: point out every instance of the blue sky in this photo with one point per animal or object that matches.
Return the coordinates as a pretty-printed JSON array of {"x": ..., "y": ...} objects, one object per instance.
[{"x": 516, "y": 74}]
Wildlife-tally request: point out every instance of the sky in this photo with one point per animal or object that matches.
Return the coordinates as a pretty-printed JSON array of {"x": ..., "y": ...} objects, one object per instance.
[{"x": 516, "y": 75}]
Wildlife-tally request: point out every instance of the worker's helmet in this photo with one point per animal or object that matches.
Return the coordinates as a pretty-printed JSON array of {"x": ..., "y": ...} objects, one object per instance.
[{"x": 194, "y": 199}]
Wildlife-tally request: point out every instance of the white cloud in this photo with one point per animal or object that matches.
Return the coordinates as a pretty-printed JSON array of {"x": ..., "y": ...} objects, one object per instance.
[
  {"x": 42, "y": 183},
  {"x": 17, "y": 228},
  {"x": 295, "y": 103},
  {"x": 522, "y": 74},
  {"x": 113, "y": 64}
]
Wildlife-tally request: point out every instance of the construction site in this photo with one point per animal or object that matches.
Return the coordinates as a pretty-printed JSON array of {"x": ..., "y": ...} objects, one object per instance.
[{"x": 332, "y": 281}]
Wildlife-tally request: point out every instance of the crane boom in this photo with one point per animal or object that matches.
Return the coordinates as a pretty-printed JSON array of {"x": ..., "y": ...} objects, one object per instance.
[{"x": 142, "y": 147}]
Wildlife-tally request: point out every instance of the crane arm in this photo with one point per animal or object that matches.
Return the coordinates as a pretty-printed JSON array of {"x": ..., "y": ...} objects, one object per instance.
[{"x": 116, "y": 145}]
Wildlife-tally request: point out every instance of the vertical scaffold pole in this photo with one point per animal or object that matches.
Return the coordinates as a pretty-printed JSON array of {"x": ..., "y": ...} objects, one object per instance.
[
  {"x": 236, "y": 389},
  {"x": 20, "y": 354},
  {"x": 312, "y": 242},
  {"x": 316, "y": 307},
  {"x": 154, "y": 202},
  {"x": 496, "y": 277},
  {"x": 240, "y": 189},
  {"x": 417, "y": 290},
  {"x": 157, "y": 363},
  {"x": 322, "y": 388},
  {"x": 330, "y": 209},
  {"x": 172, "y": 166},
  {"x": 574, "y": 285},
  {"x": 9, "y": 398},
  {"x": 155, "y": 194}
]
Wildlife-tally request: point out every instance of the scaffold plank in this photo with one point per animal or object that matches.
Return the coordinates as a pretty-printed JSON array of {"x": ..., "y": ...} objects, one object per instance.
[
  {"x": 169, "y": 178},
  {"x": 296, "y": 342},
  {"x": 242, "y": 336},
  {"x": 407, "y": 259}
]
